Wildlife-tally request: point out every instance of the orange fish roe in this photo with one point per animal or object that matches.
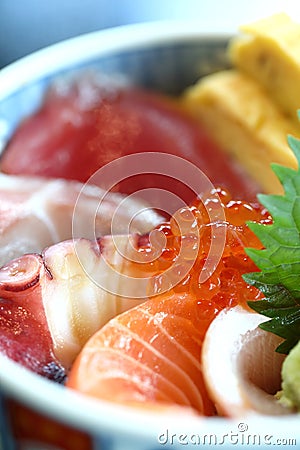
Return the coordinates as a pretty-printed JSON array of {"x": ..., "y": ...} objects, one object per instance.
[{"x": 188, "y": 239}]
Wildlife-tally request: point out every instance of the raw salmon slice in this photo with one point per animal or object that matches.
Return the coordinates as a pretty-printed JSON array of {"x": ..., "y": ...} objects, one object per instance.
[{"x": 150, "y": 353}]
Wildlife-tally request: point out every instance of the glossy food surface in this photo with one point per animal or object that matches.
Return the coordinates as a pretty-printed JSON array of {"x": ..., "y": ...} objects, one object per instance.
[{"x": 82, "y": 127}]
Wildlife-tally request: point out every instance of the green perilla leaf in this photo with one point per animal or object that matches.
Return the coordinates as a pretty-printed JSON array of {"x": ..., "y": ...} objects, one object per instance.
[{"x": 279, "y": 260}]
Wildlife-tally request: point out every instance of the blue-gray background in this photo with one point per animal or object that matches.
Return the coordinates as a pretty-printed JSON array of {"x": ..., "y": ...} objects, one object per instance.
[{"x": 28, "y": 25}]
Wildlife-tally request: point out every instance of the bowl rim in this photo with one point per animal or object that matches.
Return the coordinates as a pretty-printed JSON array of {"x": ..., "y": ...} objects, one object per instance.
[
  {"x": 95, "y": 416},
  {"x": 46, "y": 397},
  {"x": 82, "y": 48}
]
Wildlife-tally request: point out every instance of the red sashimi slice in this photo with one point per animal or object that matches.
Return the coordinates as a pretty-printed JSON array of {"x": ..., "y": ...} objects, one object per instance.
[
  {"x": 71, "y": 137},
  {"x": 149, "y": 354}
]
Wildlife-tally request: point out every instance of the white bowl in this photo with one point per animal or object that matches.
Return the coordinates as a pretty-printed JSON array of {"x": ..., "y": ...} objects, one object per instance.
[{"x": 39, "y": 413}]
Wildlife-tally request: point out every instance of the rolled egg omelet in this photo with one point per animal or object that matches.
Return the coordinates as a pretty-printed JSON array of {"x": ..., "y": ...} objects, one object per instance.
[
  {"x": 242, "y": 114},
  {"x": 269, "y": 51}
]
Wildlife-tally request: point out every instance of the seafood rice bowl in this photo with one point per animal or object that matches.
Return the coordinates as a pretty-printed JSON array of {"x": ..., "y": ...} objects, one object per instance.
[{"x": 126, "y": 317}]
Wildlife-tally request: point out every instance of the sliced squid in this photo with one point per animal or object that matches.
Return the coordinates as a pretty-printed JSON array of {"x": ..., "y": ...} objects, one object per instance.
[{"x": 250, "y": 374}]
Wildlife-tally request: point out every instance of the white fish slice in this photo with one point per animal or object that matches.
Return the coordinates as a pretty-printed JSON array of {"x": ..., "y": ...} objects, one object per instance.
[{"x": 37, "y": 212}]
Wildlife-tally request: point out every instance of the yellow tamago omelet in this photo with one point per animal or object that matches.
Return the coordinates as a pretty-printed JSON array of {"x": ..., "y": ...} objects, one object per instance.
[
  {"x": 243, "y": 110},
  {"x": 269, "y": 51},
  {"x": 243, "y": 120}
]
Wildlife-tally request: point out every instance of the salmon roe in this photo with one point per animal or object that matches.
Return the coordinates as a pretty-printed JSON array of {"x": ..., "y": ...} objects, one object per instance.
[{"x": 188, "y": 238}]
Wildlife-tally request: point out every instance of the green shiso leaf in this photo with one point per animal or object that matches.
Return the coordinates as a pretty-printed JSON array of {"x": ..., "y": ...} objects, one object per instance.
[{"x": 279, "y": 260}]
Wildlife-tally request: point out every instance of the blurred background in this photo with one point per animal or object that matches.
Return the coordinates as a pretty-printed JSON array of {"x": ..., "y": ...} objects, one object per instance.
[{"x": 28, "y": 25}]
